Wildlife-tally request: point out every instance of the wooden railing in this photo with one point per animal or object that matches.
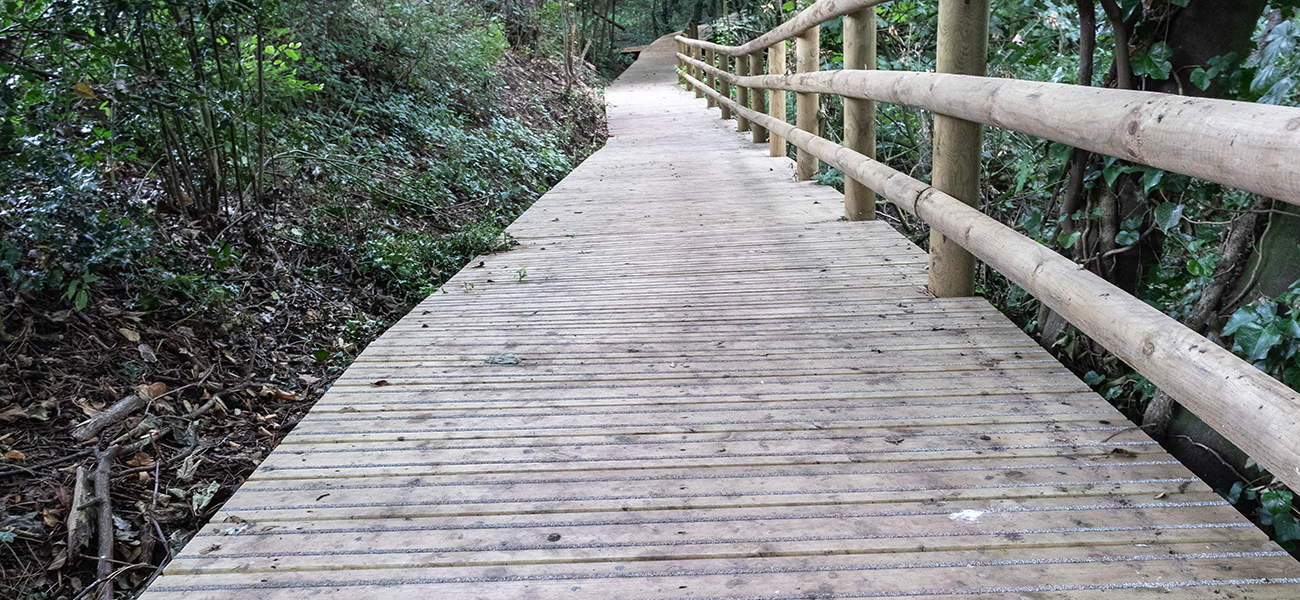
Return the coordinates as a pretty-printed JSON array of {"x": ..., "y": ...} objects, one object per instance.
[{"x": 1249, "y": 146}]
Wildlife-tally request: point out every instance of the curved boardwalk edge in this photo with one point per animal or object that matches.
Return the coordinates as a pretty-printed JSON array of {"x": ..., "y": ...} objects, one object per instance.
[{"x": 691, "y": 380}]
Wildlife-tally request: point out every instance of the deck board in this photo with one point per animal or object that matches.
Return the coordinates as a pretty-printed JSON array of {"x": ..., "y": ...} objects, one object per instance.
[{"x": 724, "y": 391}]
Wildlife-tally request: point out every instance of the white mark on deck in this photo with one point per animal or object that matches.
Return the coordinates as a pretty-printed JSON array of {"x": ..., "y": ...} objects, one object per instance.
[{"x": 970, "y": 516}]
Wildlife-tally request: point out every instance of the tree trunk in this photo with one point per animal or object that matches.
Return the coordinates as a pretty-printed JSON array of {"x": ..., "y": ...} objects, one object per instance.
[{"x": 1203, "y": 30}]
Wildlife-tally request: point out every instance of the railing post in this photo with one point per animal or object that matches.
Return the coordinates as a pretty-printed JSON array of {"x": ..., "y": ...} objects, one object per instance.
[
  {"x": 807, "y": 52},
  {"x": 757, "y": 99},
  {"x": 681, "y": 65},
  {"x": 693, "y": 30},
  {"x": 742, "y": 93},
  {"x": 860, "y": 115},
  {"x": 710, "y": 79},
  {"x": 963, "y": 49},
  {"x": 724, "y": 87},
  {"x": 776, "y": 105}
]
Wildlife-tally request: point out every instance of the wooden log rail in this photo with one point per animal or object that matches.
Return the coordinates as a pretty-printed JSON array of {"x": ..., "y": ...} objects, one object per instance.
[
  {"x": 1241, "y": 144},
  {"x": 1249, "y": 146}
]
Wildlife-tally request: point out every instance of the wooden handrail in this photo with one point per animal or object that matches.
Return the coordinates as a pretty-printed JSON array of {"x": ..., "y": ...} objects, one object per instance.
[
  {"x": 1254, "y": 147},
  {"x": 808, "y": 18},
  {"x": 1249, "y": 408}
]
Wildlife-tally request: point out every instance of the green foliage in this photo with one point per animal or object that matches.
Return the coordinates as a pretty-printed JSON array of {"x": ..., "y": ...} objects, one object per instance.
[
  {"x": 1225, "y": 65},
  {"x": 59, "y": 230},
  {"x": 1153, "y": 63},
  {"x": 1275, "y": 508},
  {"x": 397, "y": 101},
  {"x": 1268, "y": 334},
  {"x": 1277, "y": 65},
  {"x": 413, "y": 265}
]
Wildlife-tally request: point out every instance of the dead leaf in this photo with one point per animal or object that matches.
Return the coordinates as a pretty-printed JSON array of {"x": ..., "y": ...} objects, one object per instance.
[
  {"x": 146, "y": 353},
  {"x": 87, "y": 407},
  {"x": 188, "y": 467},
  {"x": 15, "y": 455},
  {"x": 152, "y": 390},
  {"x": 82, "y": 90},
  {"x": 141, "y": 460},
  {"x": 283, "y": 395},
  {"x": 380, "y": 383},
  {"x": 38, "y": 411},
  {"x": 59, "y": 560},
  {"x": 308, "y": 379},
  {"x": 894, "y": 439},
  {"x": 348, "y": 409},
  {"x": 202, "y": 495},
  {"x": 131, "y": 336},
  {"x": 1122, "y": 452}
]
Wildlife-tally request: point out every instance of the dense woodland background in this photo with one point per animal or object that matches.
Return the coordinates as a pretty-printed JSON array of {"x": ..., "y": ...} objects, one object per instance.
[{"x": 214, "y": 205}]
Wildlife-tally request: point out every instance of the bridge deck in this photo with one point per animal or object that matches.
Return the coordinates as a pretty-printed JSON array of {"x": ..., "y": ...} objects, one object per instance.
[{"x": 723, "y": 392}]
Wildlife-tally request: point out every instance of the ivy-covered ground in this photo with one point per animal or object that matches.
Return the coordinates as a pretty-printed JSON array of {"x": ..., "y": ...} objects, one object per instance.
[{"x": 208, "y": 211}]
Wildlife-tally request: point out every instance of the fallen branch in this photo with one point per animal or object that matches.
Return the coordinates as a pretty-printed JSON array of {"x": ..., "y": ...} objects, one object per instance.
[
  {"x": 126, "y": 406},
  {"x": 163, "y": 431},
  {"x": 102, "y": 474},
  {"x": 78, "y": 517},
  {"x": 115, "y": 413},
  {"x": 109, "y": 578}
]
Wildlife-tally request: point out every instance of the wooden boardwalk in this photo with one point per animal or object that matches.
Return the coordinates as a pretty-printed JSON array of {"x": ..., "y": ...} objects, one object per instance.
[{"x": 721, "y": 391}]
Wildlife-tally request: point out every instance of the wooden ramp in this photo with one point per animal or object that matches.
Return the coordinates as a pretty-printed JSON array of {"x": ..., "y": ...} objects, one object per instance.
[{"x": 705, "y": 385}]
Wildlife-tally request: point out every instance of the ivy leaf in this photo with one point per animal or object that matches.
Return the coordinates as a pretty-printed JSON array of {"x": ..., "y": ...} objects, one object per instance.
[
  {"x": 1068, "y": 241},
  {"x": 1112, "y": 171},
  {"x": 1256, "y": 340},
  {"x": 1243, "y": 316},
  {"x": 1267, "y": 310},
  {"x": 1220, "y": 64},
  {"x": 1234, "y": 494},
  {"x": 1154, "y": 64},
  {"x": 1151, "y": 180},
  {"x": 1290, "y": 327},
  {"x": 1168, "y": 215},
  {"x": 1093, "y": 378},
  {"x": 1291, "y": 377},
  {"x": 1033, "y": 224},
  {"x": 1200, "y": 78},
  {"x": 1127, "y": 237},
  {"x": 1199, "y": 268},
  {"x": 1277, "y": 502},
  {"x": 1276, "y": 510}
]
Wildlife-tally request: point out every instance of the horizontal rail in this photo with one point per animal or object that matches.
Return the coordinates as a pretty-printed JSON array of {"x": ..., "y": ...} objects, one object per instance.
[
  {"x": 808, "y": 18},
  {"x": 1251, "y": 409},
  {"x": 1241, "y": 144}
]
